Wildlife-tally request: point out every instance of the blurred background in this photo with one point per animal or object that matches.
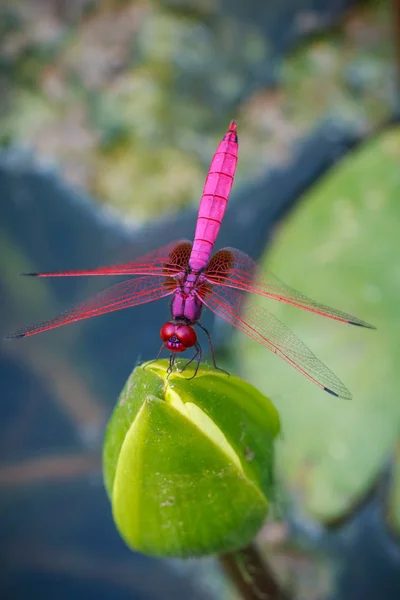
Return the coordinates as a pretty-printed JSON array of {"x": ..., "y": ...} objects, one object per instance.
[{"x": 110, "y": 113}]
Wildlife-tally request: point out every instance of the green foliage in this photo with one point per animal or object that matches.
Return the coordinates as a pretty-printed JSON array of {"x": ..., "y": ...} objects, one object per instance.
[
  {"x": 341, "y": 246},
  {"x": 393, "y": 504},
  {"x": 188, "y": 463},
  {"x": 132, "y": 97}
]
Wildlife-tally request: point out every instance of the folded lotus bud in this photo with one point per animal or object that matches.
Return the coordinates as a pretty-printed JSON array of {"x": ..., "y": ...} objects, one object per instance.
[{"x": 188, "y": 463}]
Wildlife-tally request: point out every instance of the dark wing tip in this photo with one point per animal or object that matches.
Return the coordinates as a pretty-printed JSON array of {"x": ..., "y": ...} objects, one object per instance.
[
  {"x": 331, "y": 392},
  {"x": 28, "y": 274},
  {"x": 346, "y": 394},
  {"x": 13, "y": 336},
  {"x": 362, "y": 324}
]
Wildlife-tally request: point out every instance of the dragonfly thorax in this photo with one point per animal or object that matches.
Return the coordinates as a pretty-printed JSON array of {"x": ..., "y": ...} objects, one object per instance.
[
  {"x": 178, "y": 336},
  {"x": 186, "y": 306}
]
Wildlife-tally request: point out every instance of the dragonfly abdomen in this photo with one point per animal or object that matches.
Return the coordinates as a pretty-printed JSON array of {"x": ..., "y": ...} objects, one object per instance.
[{"x": 215, "y": 198}]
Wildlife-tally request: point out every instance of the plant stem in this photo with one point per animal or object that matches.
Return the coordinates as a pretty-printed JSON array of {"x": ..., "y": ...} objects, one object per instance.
[{"x": 251, "y": 574}]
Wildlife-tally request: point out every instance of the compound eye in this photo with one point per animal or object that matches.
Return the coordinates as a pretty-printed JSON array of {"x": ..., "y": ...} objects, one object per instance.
[
  {"x": 186, "y": 335},
  {"x": 167, "y": 331}
]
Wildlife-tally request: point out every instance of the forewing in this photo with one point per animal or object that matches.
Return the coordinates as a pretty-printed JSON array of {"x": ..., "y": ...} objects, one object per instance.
[
  {"x": 168, "y": 260},
  {"x": 123, "y": 295},
  {"x": 264, "y": 328},
  {"x": 232, "y": 268}
]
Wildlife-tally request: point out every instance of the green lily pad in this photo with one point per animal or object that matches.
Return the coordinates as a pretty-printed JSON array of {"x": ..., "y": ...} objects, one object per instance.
[
  {"x": 394, "y": 495},
  {"x": 341, "y": 246}
]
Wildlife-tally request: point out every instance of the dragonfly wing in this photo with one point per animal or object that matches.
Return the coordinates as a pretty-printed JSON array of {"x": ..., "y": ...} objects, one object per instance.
[
  {"x": 168, "y": 260},
  {"x": 233, "y": 268},
  {"x": 264, "y": 328},
  {"x": 123, "y": 295}
]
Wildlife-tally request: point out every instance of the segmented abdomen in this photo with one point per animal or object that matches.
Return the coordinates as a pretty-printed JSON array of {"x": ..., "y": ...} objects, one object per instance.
[{"x": 215, "y": 198}]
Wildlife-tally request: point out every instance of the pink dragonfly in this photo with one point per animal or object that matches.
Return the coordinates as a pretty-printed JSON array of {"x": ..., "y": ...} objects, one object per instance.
[{"x": 195, "y": 279}]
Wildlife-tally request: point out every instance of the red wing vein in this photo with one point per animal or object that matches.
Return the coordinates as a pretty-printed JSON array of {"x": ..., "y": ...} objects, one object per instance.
[
  {"x": 123, "y": 295},
  {"x": 156, "y": 263},
  {"x": 245, "y": 275},
  {"x": 266, "y": 329}
]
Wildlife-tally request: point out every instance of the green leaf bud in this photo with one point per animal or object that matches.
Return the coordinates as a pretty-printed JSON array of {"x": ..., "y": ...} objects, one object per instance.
[{"x": 188, "y": 464}]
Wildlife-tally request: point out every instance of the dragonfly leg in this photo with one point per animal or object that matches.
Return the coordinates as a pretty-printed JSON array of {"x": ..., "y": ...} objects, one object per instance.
[
  {"x": 192, "y": 359},
  {"x": 198, "y": 353},
  {"x": 157, "y": 357},
  {"x": 171, "y": 364},
  {"x": 212, "y": 349}
]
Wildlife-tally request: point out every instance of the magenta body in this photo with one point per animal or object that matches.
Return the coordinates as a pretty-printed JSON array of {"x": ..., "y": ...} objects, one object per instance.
[
  {"x": 186, "y": 305},
  {"x": 185, "y": 273},
  {"x": 214, "y": 199}
]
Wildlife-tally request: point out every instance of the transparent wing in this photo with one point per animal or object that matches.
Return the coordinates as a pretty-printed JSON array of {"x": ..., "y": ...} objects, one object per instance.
[
  {"x": 267, "y": 330},
  {"x": 168, "y": 260},
  {"x": 232, "y": 268},
  {"x": 123, "y": 295}
]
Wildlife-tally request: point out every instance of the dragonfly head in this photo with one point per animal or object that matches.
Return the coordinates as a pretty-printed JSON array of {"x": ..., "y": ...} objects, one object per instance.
[{"x": 178, "y": 336}]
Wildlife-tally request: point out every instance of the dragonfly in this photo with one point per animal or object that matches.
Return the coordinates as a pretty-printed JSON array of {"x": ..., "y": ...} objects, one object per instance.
[{"x": 195, "y": 278}]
